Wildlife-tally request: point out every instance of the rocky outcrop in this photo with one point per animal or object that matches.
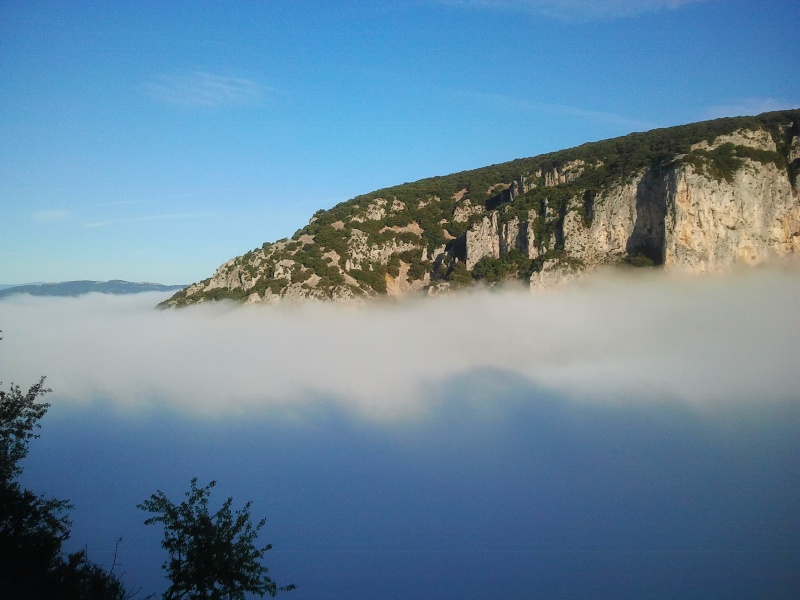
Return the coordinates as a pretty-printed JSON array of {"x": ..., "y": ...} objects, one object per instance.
[
  {"x": 714, "y": 202},
  {"x": 627, "y": 219},
  {"x": 495, "y": 238},
  {"x": 690, "y": 222},
  {"x": 712, "y": 225},
  {"x": 562, "y": 174},
  {"x": 483, "y": 239},
  {"x": 555, "y": 273},
  {"x": 465, "y": 210},
  {"x": 749, "y": 138},
  {"x": 360, "y": 250}
]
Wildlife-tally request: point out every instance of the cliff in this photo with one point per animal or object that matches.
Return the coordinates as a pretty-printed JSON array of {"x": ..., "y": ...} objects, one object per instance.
[{"x": 697, "y": 198}]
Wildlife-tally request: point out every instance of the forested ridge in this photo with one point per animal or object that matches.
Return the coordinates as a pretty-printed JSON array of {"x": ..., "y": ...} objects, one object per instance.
[{"x": 351, "y": 248}]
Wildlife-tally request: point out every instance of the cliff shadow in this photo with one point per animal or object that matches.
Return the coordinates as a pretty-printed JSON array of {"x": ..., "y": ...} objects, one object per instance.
[
  {"x": 457, "y": 248},
  {"x": 504, "y": 197},
  {"x": 647, "y": 237}
]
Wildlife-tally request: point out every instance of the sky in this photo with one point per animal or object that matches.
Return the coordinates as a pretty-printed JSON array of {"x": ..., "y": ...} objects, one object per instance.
[
  {"x": 623, "y": 438},
  {"x": 154, "y": 141},
  {"x": 628, "y": 437}
]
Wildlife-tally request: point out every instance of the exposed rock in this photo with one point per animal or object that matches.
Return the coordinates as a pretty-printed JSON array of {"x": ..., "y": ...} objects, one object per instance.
[
  {"x": 377, "y": 210},
  {"x": 229, "y": 276},
  {"x": 412, "y": 227},
  {"x": 510, "y": 238},
  {"x": 437, "y": 253},
  {"x": 689, "y": 221},
  {"x": 520, "y": 186},
  {"x": 614, "y": 219},
  {"x": 562, "y": 174},
  {"x": 332, "y": 257},
  {"x": 439, "y": 288},
  {"x": 531, "y": 248},
  {"x": 344, "y": 295},
  {"x": 283, "y": 270},
  {"x": 360, "y": 250},
  {"x": 490, "y": 237},
  {"x": 465, "y": 210},
  {"x": 717, "y": 201},
  {"x": 400, "y": 286},
  {"x": 497, "y": 188},
  {"x": 482, "y": 240},
  {"x": 794, "y": 149},
  {"x": 751, "y": 138},
  {"x": 555, "y": 273},
  {"x": 712, "y": 225}
]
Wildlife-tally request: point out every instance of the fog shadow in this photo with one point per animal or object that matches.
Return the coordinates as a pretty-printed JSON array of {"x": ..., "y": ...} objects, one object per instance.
[{"x": 502, "y": 490}]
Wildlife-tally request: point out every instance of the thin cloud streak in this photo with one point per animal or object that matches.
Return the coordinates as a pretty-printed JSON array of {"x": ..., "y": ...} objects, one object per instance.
[
  {"x": 148, "y": 218},
  {"x": 708, "y": 343},
  {"x": 562, "y": 110},
  {"x": 143, "y": 200},
  {"x": 576, "y": 10},
  {"x": 48, "y": 216},
  {"x": 204, "y": 90},
  {"x": 748, "y": 106}
]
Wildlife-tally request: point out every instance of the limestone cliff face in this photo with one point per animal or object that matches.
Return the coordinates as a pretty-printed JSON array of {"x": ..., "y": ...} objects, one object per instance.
[
  {"x": 726, "y": 195},
  {"x": 712, "y": 225},
  {"x": 483, "y": 239},
  {"x": 493, "y": 238},
  {"x": 673, "y": 215},
  {"x": 690, "y": 222}
]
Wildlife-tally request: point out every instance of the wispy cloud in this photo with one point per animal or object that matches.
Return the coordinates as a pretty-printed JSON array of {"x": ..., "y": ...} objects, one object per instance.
[
  {"x": 147, "y": 218},
  {"x": 142, "y": 200},
  {"x": 748, "y": 106},
  {"x": 577, "y": 10},
  {"x": 203, "y": 89},
  {"x": 47, "y": 216},
  {"x": 563, "y": 110}
]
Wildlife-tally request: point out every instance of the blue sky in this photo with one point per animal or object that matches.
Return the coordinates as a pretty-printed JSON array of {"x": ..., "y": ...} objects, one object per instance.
[{"x": 153, "y": 141}]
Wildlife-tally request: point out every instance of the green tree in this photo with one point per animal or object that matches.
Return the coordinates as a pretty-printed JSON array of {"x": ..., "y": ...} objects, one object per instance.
[
  {"x": 210, "y": 555},
  {"x": 34, "y": 527},
  {"x": 19, "y": 418}
]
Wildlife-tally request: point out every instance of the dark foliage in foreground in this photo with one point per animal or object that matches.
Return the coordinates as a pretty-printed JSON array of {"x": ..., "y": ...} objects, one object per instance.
[
  {"x": 210, "y": 555},
  {"x": 33, "y": 527}
]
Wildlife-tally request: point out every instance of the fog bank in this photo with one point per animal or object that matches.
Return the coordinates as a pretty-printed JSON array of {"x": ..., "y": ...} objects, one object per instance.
[
  {"x": 626, "y": 438},
  {"x": 704, "y": 341}
]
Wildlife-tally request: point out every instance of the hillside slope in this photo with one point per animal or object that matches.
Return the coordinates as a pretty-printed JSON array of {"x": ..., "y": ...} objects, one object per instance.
[{"x": 697, "y": 198}]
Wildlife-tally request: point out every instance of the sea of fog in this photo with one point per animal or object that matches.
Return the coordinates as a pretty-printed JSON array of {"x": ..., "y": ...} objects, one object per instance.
[{"x": 631, "y": 437}]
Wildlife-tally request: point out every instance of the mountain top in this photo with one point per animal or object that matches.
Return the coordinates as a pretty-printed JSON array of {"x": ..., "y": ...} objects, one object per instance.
[{"x": 699, "y": 198}]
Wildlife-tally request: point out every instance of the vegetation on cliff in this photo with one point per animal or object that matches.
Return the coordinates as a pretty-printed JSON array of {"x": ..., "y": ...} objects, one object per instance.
[{"x": 418, "y": 235}]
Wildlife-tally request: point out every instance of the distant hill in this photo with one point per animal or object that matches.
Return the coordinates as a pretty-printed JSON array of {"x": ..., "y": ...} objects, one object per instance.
[
  {"x": 78, "y": 288},
  {"x": 697, "y": 198},
  {"x": 11, "y": 285}
]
